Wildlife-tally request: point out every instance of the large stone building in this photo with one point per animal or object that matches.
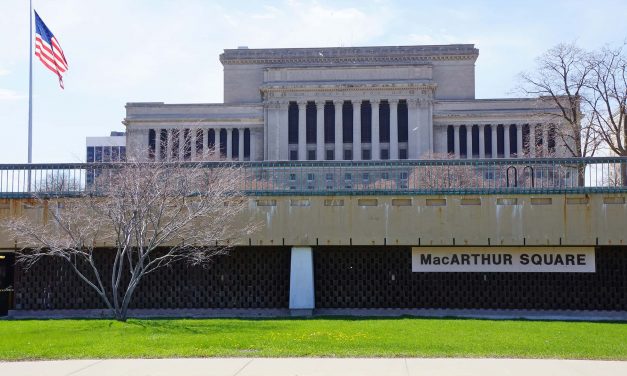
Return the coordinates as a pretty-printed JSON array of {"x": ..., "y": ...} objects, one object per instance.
[{"x": 346, "y": 103}]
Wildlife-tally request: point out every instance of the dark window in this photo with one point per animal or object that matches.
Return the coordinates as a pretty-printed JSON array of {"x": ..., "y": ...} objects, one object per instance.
[
  {"x": 347, "y": 122},
  {"x": 211, "y": 140},
  {"x": 187, "y": 146},
  {"x": 475, "y": 140},
  {"x": 163, "y": 139},
  {"x": 247, "y": 143},
  {"x": 115, "y": 154},
  {"x": 500, "y": 143},
  {"x": 539, "y": 140},
  {"x": 402, "y": 121},
  {"x": 199, "y": 142},
  {"x": 450, "y": 139},
  {"x": 463, "y": 150},
  {"x": 385, "y": 154},
  {"x": 366, "y": 122},
  {"x": 293, "y": 155},
  {"x": 348, "y": 155},
  {"x": 330, "y": 155},
  {"x": 402, "y": 154},
  {"x": 365, "y": 155},
  {"x": 311, "y": 123},
  {"x": 551, "y": 140},
  {"x": 106, "y": 154},
  {"x": 122, "y": 153},
  {"x": 311, "y": 155},
  {"x": 329, "y": 123},
  {"x": 513, "y": 140},
  {"x": 222, "y": 143},
  {"x": 98, "y": 154},
  {"x": 235, "y": 144},
  {"x": 526, "y": 139},
  {"x": 292, "y": 123},
  {"x": 175, "y": 144},
  {"x": 384, "y": 122},
  {"x": 90, "y": 154},
  {"x": 151, "y": 143}
]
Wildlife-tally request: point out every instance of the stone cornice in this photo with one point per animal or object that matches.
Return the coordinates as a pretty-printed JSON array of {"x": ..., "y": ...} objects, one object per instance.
[
  {"x": 349, "y": 86},
  {"x": 349, "y": 55}
]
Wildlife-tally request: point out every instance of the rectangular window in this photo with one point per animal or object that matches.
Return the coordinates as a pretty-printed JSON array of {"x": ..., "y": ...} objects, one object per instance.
[
  {"x": 348, "y": 176},
  {"x": 330, "y": 155},
  {"x": 348, "y": 155},
  {"x": 98, "y": 154},
  {"x": 365, "y": 177},
  {"x": 163, "y": 139},
  {"x": 329, "y": 177},
  {"x": 122, "y": 153},
  {"x": 292, "y": 177},
  {"x": 199, "y": 142},
  {"x": 187, "y": 146},
  {"x": 365, "y": 155},
  {"x": 115, "y": 154},
  {"x": 90, "y": 154},
  {"x": 106, "y": 154},
  {"x": 152, "y": 143},
  {"x": 385, "y": 154},
  {"x": 175, "y": 144},
  {"x": 310, "y": 177},
  {"x": 402, "y": 154},
  {"x": 311, "y": 155},
  {"x": 293, "y": 155}
]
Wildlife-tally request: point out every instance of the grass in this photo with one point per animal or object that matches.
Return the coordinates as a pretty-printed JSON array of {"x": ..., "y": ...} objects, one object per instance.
[{"x": 318, "y": 337}]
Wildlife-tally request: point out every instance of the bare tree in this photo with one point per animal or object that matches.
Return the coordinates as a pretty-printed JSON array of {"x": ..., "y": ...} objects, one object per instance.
[
  {"x": 560, "y": 77},
  {"x": 152, "y": 214}
]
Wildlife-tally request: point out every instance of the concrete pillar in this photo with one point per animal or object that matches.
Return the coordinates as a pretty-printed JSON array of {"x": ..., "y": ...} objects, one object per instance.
[
  {"x": 253, "y": 144},
  {"x": 506, "y": 140},
  {"x": 339, "y": 126},
  {"x": 229, "y": 144},
  {"x": 240, "y": 145},
  {"x": 413, "y": 150},
  {"x": 302, "y": 130},
  {"x": 168, "y": 152},
  {"x": 468, "y": 141},
  {"x": 456, "y": 141},
  {"x": 519, "y": 141},
  {"x": 375, "y": 149},
  {"x": 181, "y": 144},
  {"x": 193, "y": 143},
  {"x": 481, "y": 141},
  {"x": 495, "y": 140},
  {"x": 393, "y": 129},
  {"x": 302, "y": 281},
  {"x": 320, "y": 130},
  {"x": 356, "y": 130}
]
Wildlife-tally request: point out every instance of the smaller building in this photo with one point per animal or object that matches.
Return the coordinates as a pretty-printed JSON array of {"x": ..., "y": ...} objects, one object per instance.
[{"x": 106, "y": 149}]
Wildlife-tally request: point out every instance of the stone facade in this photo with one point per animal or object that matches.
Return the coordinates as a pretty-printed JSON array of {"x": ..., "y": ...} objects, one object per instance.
[{"x": 353, "y": 103}]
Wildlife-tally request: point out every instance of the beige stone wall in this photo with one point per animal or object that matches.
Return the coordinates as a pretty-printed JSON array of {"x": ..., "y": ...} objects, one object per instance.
[{"x": 421, "y": 220}]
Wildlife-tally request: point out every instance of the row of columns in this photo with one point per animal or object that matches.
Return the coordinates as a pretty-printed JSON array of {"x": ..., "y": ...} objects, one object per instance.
[
  {"x": 204, "y": 133},
  {"x": 338, "y": 145},
  {"x": 506, "y": 140}
]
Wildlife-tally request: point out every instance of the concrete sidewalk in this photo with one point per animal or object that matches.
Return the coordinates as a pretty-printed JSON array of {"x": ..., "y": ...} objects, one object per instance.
[{"x": 315, "y": 366}]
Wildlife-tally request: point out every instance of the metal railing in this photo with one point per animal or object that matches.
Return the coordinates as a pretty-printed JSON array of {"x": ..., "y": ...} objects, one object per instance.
[{"x": 463, "y": 176}]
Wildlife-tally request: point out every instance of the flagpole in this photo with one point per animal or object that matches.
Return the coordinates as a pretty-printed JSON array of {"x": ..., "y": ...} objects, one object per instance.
[
  {"x": 30, "y": 94},
  {"x": 30, "y": 88}
]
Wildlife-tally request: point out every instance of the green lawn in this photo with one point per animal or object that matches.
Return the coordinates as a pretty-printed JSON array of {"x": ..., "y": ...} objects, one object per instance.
[{"x": 328, "y": 337}]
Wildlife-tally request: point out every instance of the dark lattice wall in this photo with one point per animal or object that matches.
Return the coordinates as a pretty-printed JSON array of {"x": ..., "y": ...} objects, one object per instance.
[
  {"x": 377, "y": 277},
  {"x": 246, "y": 278}
]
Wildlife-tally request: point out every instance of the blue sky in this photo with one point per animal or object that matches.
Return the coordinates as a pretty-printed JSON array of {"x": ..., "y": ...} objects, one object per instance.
[{"x": 163, "y": 50}]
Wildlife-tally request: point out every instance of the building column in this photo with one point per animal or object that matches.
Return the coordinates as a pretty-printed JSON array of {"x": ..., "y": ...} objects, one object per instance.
[
  {"x": 469, "y": 141},
  {"x": 393, "y": 128},
  {"x": 413, "y": 148},
  {"x": 240, "y": 145},
  {"x": 193, "y": 143},
  {"x": 302, "y": 299},
  {"x": 229, "y": 144},
  {"x": 356, "y": 130},
  {"x": 168, "y": 151},
  {"x": 253, "y": 144},
  {"x": 506, "y": 140},
  {"x": 519, "y": 141},
  {"x": 302, "y": 130},
  {"x": 375, "y": 149},
  {"x": 495, "y": 140},
  {"x": 481, "y": 141},
  {"x": 456, "y": 141},
  {"x": 320, "y": 131},
  {"x": 339, "y": 126}
]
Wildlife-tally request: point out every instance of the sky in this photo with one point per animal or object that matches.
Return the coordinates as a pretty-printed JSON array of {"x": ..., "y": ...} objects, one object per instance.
[{"x": 123, "y": 51}]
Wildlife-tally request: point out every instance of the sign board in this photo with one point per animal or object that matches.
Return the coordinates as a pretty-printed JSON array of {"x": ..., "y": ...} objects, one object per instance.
[{"x": 503, "y": 259}]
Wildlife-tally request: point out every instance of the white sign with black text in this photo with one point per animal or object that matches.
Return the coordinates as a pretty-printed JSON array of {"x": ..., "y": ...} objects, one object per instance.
[{"x": 503, "y": 259}]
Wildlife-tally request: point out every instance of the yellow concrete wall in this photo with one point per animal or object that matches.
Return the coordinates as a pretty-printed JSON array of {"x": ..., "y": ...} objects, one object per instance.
[{"x": 424, "y": 220}]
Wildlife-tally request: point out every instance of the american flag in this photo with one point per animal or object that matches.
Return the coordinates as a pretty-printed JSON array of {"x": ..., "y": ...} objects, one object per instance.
[{"x": 48, "y": 49}]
